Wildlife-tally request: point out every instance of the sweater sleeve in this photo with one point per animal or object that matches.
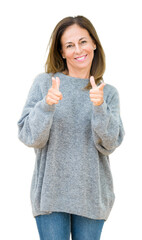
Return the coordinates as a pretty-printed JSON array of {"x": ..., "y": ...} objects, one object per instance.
[
  {"x": 36, "y": 119},
  {"x": 107, "y": 127}
]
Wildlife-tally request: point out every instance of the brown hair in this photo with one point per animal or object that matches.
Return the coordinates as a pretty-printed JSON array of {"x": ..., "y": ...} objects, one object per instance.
[{"x": 55, "y": 62}]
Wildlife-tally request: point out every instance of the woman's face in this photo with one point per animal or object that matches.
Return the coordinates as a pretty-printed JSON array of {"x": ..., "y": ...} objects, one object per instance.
[{"x": 77, "y": 48}]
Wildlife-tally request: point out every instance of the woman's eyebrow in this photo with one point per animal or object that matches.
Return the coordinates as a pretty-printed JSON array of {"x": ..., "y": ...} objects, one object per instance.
[
  {"x": 68, "y": 43},
  {"x": 79, "y": 40},
  {"x": 82, "y": 38}
]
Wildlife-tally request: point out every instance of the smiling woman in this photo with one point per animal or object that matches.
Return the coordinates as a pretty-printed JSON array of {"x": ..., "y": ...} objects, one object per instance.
[
  {"x": 73, "y": 130},
  {"x": 78, "y": 50},
  {"x": 76, "y": 34}
]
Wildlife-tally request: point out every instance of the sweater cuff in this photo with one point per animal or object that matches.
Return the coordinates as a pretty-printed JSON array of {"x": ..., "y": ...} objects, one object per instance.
[
  {"x": 47, "y": 107},
  {"x": 100, "y": 109}
]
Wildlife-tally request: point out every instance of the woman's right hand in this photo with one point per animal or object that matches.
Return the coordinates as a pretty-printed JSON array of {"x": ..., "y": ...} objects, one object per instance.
[{"x": 54, "y": 95}]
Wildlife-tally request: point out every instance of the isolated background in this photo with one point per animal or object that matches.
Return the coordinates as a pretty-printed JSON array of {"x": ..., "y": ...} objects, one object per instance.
[{"x": 25, "y": 28}]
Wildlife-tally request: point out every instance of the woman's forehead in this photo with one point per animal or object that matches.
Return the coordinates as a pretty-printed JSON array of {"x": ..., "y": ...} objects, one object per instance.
[{"x": 74, "y": 32}]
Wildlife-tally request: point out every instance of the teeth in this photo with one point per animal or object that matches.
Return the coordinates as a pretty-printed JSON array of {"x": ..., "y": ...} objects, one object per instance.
[{"x": 81, "y": 58}]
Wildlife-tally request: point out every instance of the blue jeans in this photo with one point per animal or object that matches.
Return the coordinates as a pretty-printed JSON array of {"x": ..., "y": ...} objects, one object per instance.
[{"x": 59, "y": 225}]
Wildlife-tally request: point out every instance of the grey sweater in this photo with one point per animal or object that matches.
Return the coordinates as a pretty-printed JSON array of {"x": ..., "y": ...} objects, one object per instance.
[{"x": 72, "y": 142}]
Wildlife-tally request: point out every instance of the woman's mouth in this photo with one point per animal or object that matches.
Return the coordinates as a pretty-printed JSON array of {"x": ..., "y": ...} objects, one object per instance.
[{"x": 81, "y": 58}]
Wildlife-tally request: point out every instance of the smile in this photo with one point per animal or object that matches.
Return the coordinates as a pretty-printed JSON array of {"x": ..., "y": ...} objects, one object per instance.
[{"x": 81, "y": 58}]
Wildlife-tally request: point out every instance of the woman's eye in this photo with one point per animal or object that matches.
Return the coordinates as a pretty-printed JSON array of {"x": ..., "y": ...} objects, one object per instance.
[
  {"x": 69, "y": 46},
  {"x": 83, "y": 42}
]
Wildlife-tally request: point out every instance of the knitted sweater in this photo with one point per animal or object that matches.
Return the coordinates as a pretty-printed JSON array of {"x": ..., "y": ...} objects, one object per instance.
[{"x": 72, "y": 142}]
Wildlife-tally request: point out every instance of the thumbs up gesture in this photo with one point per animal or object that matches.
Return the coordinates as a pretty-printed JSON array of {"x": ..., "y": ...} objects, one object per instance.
[
  {"x": 54, "y": 95},
  {"x": 96, "y": 93}
]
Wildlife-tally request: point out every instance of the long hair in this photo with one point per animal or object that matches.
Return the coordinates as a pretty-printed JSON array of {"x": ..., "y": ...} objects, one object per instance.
[{"x": 56, "y": 63}]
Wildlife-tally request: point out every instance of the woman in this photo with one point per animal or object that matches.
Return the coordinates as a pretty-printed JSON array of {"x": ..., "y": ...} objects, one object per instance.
[{"x": 72, "y": 120}]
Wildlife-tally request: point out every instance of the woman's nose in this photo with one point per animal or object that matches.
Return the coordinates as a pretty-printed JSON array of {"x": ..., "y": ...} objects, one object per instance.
[{"x": 78, "y": 49}]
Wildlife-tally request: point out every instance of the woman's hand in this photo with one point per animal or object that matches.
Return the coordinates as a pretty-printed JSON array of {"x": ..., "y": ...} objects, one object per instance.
[
  {"x": 96, "y": 93},
  {"x": 54, "y": 95}
]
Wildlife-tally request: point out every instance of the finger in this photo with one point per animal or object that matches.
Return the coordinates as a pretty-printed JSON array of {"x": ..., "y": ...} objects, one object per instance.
[
  {"x": 55, "y": 83},
  {"x": 58, "y": 82},
  {"x": 54, "y": 91},
  {"x": 57, "y": 95},
  {"x": 96, "y": 99},
  {"x": 61, "y": 97},
  {"x": 94, "y": 90},
  {"x": 97, "y": 102},
  {"x": 92, "y": 81},
  {"x": 51, "y": 101},
  {"x": 54, "y": 96},
  {"x": 96, "y": 96},
  {"x": 101, "y": 87}
]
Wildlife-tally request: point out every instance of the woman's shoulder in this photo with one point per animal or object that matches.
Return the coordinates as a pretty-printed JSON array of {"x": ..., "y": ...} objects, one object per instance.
[
  {"x": 42, "y": 79},
  {"x": 110, "y": 92},
  {"x": 43, "y": 76},
  {"x": 110, "y": 89}
]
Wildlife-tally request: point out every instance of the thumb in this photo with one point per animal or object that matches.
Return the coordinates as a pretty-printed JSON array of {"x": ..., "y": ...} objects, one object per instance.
[
  {"x": 55, "y": 83},
  {"x": 92, "y": 81},
  {"x": 58, "y": 82},
  {"x": 101, "y": 87}
]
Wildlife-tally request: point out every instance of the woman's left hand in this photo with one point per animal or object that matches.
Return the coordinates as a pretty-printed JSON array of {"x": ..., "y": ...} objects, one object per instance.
[{"x": 96, "y": 93}]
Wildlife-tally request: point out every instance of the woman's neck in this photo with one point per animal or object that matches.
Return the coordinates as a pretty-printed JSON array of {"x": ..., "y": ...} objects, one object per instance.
[{"x": 77, "y": 74}]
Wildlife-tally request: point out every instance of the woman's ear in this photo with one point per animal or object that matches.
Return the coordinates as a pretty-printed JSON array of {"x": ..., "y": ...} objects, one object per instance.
[
  {"x": 61, "y": 51},
  {"x": 94, "y": 46}
]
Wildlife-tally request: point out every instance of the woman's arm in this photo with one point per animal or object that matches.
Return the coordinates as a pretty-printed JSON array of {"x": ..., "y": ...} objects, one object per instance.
[
  {"x": 36, "y": 119},
  {"x": 107, "y": 127}
]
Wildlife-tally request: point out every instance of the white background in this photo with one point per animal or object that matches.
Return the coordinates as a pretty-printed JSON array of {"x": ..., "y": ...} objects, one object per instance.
[{"x": 25, "y": 30}]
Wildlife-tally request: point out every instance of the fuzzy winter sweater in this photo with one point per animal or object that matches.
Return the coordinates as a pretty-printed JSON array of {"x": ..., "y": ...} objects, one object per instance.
[{"x": 72, "y": 142}]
